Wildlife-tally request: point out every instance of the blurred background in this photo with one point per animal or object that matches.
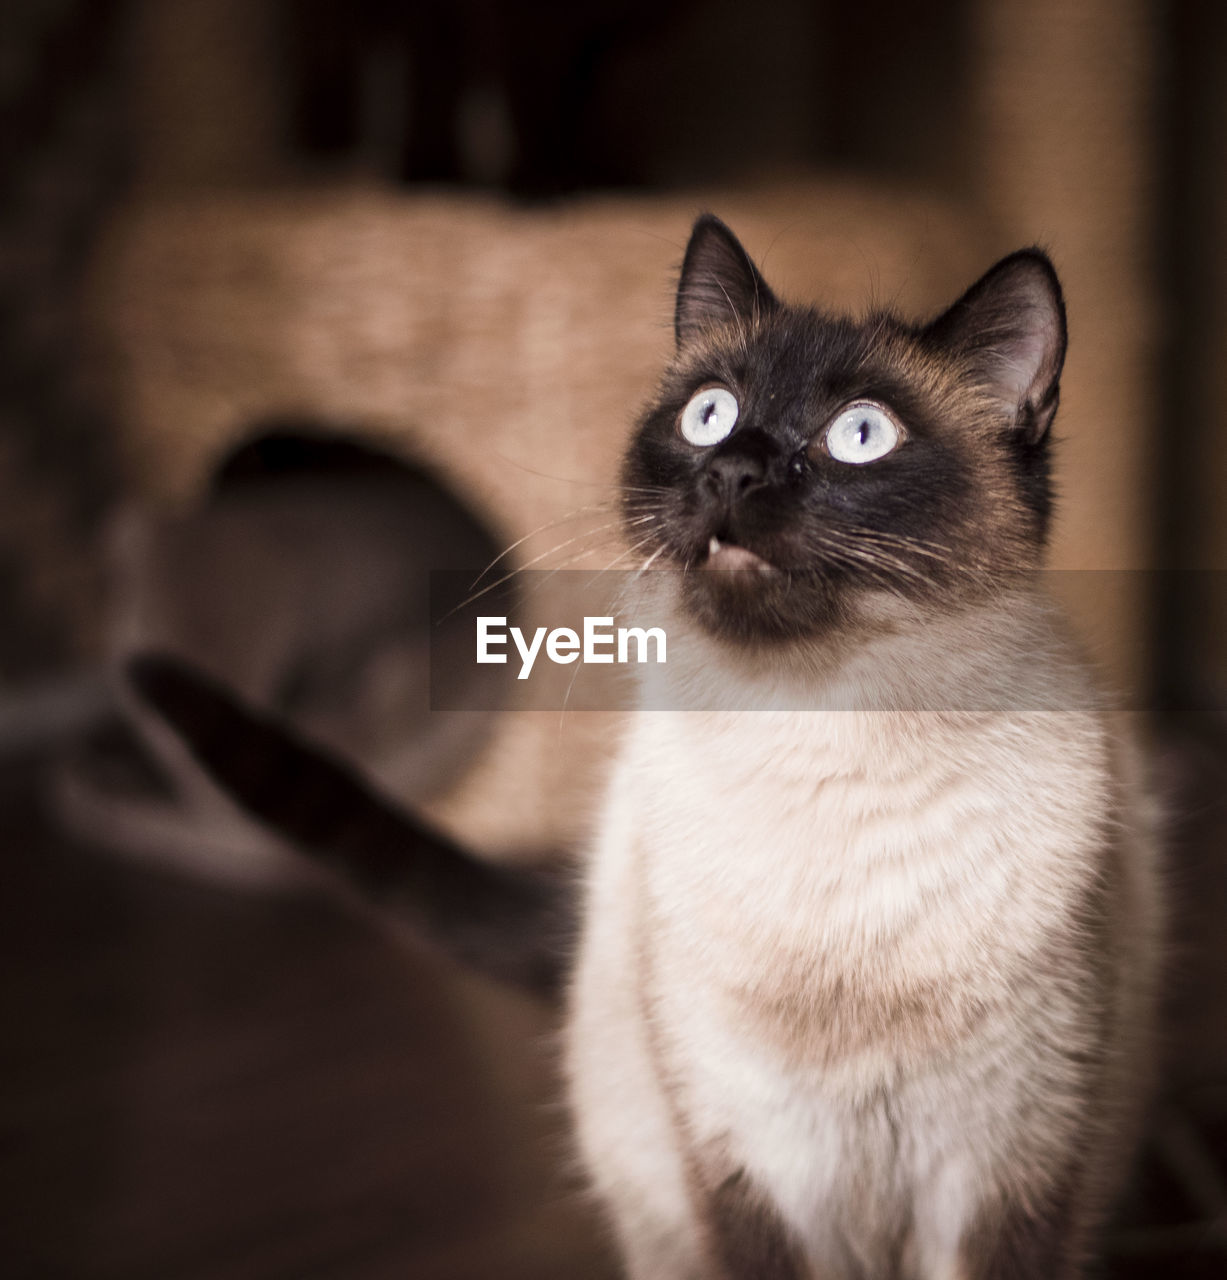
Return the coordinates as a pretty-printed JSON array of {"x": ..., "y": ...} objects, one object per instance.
[{"x": 261, "y": 258}]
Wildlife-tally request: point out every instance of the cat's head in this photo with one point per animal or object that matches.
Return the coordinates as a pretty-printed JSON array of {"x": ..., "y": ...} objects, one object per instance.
[{"x": 806, "y": 469}]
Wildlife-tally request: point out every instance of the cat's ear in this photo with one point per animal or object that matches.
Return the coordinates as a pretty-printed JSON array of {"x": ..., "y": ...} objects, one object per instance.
[
  {"x": 719, "y": 284},
  {"x": 1011, "y": 323}
]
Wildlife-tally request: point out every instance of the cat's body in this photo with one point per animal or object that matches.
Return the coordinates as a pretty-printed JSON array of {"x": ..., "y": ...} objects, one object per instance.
[
  {"x": 890, "y": 971},
  {"x": 869, "y": 932}
]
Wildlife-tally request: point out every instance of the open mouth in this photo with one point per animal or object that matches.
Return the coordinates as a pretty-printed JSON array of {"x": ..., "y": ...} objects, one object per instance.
[{"x": 727, "y": 555}]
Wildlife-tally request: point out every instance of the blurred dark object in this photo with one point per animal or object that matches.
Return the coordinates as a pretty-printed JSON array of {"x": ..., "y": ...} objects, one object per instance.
[
  {"x": 301, "y": 579},
  {"x": 1190, "y": 414},
  {"x": 63, "y": 160},
  {"x": 549, "y": 97}
]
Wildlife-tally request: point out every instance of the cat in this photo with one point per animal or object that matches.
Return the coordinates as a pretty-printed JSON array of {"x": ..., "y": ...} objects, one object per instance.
[{"x": 860, "y": 973}]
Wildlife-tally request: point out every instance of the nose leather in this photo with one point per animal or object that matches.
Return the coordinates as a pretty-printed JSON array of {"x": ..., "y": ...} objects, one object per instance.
[{"x": 739, "y": 466}]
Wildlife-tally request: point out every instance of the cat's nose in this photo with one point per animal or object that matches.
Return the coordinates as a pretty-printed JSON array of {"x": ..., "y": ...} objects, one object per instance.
[{"x": 735, "y": 473}]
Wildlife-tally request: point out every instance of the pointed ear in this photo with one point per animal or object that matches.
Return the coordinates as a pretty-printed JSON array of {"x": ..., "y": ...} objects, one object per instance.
[
  {"x": 719, "y": 284},
  {"x": 1011, "y": 323}
]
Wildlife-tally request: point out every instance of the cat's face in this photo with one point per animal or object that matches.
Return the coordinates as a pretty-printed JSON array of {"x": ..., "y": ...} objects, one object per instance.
[{"x": 800, "y": 467}]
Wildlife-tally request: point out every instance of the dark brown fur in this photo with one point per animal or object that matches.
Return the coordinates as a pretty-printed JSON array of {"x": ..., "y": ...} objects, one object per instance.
[
  {"x": 1016, "y": 1241},
  {"x": 512, "y": 924},
  {"x": 962, "y": 509},
  {"x": 748, "y": 1237}
]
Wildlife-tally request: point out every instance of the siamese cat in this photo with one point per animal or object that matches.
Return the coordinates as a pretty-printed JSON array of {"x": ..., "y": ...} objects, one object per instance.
[{"x": 860, "y": 973}]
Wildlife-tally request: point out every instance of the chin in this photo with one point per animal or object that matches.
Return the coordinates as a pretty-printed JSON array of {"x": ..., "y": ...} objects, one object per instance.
[{"x": 753, "y": 607}]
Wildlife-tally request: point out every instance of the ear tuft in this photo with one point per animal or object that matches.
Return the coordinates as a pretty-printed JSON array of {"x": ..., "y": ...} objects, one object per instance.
[
  {"x": 1011, "y": 323},
  {"x": 719, "y": 283}
]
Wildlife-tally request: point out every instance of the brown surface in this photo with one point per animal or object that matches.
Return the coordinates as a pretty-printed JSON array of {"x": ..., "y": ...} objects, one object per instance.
[{"x": 194, "y": 1084}]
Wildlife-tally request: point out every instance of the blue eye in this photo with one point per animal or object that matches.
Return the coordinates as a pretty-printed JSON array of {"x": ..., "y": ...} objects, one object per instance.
[
  {"x": 709, "y": 416},
  {"x": 862, "y": 433}
]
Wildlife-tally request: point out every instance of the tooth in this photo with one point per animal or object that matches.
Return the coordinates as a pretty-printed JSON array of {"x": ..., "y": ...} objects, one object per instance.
[{"x": 713, "y": 546}]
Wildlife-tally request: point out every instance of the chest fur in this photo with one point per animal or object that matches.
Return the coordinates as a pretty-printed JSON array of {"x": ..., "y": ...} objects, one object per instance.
[{"x": 862, "y": 880}]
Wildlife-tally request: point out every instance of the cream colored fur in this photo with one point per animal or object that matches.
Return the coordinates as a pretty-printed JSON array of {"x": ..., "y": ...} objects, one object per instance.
[{"x": 848, "y": 952}]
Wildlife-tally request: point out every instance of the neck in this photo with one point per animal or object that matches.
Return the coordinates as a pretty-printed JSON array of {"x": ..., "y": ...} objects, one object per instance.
[{"x": 1009, "y": 653}]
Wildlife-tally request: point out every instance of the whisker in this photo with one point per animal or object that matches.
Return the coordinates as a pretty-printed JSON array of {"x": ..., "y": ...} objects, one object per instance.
[
  {"x": 626, "y": 552},
  {"x": 647, "y": 564},
  {"x": 543, "y": 577},
  {"x": 865, "y": 556},
  {"x": 477, "y": 595},
  {"x": 590, "y": 509}
]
